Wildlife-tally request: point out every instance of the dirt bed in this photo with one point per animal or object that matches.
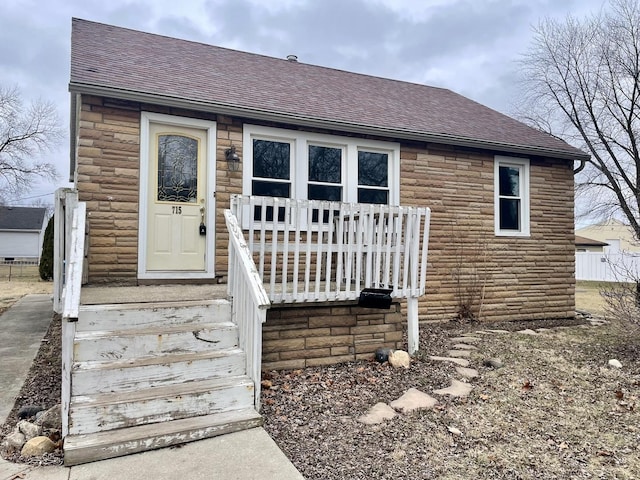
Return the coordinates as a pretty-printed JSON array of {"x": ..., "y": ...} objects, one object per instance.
[{"x": 554, "y": 411}]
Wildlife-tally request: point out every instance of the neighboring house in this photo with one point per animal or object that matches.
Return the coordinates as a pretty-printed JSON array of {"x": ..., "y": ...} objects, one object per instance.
[
  {"x": 21, "y": 233},
  {"x": 166, "y": 133},
  {"x": 618, "y": 235},
  {"x": 584, "y": 244}
]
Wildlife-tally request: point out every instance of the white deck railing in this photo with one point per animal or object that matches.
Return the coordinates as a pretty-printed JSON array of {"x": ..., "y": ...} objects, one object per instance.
[
  {"x": 318, "y": 251},
  {"x": 249, "y": 301}
]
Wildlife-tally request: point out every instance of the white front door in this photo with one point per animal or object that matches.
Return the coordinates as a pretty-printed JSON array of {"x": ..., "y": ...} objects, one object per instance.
[{"x": 178, "y": 202}]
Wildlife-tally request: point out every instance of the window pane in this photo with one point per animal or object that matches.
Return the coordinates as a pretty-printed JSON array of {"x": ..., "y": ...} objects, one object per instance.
[
  {"x": 177, "y": 168},
  {"x": 367, "y": 195},
  {"x": 325, "y": 164},
  {"x": 270, "y": 189},
  {"x": 271, "y": 159},
  {"x": 510, "y": 181},
  {"x": 509, "y": 214},
  {"x": 325, "y": 192},
  {"x": 373, "y": 169}
]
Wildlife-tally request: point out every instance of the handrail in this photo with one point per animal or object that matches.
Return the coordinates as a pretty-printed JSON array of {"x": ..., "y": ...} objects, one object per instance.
[
  {"x": 249, "y": 301},
  {"x": 74, "y": 264}
]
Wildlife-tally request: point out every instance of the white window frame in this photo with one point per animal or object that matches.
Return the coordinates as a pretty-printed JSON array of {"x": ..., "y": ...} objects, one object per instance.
[
  {"x": 523, "y": 165},
  {"x": 300, "y": 142}
]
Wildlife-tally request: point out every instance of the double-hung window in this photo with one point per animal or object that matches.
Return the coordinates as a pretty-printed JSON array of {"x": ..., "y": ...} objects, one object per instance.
[
  {"x": 309, "y": 166},
  {"x": 511, "y": 196}
]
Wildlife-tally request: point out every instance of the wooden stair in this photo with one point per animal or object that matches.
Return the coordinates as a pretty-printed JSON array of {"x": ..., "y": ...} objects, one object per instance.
[{"x": 151, "y": 375}]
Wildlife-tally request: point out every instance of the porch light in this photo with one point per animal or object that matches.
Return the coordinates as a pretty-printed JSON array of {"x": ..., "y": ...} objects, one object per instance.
[{"x": 233, "y": 160}]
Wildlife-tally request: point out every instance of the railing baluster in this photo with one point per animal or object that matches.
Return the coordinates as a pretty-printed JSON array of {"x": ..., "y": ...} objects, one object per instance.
[{"x": 296, "y": 252}]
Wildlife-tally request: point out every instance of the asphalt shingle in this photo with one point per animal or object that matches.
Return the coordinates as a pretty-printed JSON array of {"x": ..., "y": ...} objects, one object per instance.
[{"x": 126, "y": 63}]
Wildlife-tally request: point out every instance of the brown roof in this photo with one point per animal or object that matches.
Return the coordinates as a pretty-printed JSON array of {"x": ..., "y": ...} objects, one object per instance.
[
  {"x": 588, "y": 242},
  {"x": 123, "y": 63}
]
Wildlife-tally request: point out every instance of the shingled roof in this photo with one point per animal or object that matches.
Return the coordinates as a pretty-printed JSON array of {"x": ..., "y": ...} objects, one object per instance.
[
  {"x": 21, "y": 218},
  {"x": 128, "y": 64}
]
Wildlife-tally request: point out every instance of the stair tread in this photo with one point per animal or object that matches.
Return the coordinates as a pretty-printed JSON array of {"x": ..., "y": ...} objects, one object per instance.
[
  {"x": 151, "y": 305},
  {"x": 129, "y": 434},
  {"x": 154, "y": 330},
  {"x": 157, "y": 359},
  {"x": 185, "y": 388}
]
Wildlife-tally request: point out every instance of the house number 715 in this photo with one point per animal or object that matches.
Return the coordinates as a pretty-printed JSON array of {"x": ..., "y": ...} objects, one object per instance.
[{"x": 177, "y": 209}]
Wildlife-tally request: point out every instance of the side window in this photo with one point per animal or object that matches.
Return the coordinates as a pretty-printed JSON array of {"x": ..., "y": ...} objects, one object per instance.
[{"x": 511, "y": 196}]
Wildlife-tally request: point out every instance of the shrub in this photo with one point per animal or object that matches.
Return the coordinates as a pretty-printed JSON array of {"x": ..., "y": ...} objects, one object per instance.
[{"x": 46, "y": 259}]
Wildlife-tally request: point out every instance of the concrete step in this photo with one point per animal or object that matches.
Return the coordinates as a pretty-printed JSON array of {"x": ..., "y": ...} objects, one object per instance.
[
  {"x": 115, "y": 443},
  {"x": 124, "y": 316},
  {"x": 129, "y": 375},
  {"x": 153, "y": 340},
  {"x": 109, "y": 411}
]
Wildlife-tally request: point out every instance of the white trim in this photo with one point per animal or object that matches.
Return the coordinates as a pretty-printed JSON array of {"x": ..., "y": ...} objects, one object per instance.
[
  {"x": 210, "y": 128},
  {"x": 525, "y": 211},
  {"x": 299, "y": 166}
]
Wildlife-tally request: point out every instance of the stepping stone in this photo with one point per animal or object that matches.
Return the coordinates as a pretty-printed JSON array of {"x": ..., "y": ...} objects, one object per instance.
[
  {"x": 459, "y": 353},
  {"x": 457, "y": 389},
  {"x": 464, "y": 346},
  {"x": 527, "y": 331},
  {"x": 413, "y": 399},
  {"x": 499, "y": 331},
  {"x": 467, "y": 372},
  {"x": 458, "y": 361},
  {"x": 377, "y": 414},
  {"x": 466, "y": 339}
]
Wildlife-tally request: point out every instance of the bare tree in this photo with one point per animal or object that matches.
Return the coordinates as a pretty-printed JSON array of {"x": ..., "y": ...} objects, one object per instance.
[
  {"x": 26, "y": 133},
  {"x": 581, "y": 82}
]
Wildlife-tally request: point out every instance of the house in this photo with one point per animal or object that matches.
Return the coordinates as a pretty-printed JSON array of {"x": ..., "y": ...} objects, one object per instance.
[
  {"x": 584, "y": 244},
  {"x": 311, "y": 195},
  {"x": 616, "y": 234},
  {"x": 21, "y": 233}
]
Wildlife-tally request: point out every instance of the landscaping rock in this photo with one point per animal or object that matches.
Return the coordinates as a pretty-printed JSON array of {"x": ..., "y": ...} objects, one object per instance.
[
  {"x": 382, "y": 355},
  {"x": 527, "y": 331},
  {"x": 377, "y": 414},
  {"x": 38, "y": 446},
  {"x": 457, "y": 389},
  {"x": 459, "y": 353},
  {"x": 464, "y": 346},
  {"x": 28, "y": 411},
  {"x": 493, "y": 363},
  {"x": 467, "y": 372},
  {"x": 413, "y": 399},
  {"x": 13, "y": 442},
  {"x": 458, "y": 361},
  {"x": 615, "y": 363},
  {"x": 399, "y": 358},
  {"x": 454, "y": 431},
  {"x": 52, "y": 418},
  {"x": 29, "y": 429},
  {"x": 466, "y": 339}
]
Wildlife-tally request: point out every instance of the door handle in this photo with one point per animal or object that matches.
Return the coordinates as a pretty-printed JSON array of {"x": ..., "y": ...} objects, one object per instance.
[{"x": 203, "y": 228}]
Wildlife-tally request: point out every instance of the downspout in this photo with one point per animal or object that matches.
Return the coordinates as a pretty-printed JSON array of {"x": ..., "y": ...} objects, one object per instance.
[{"x": 583, "y": 163}]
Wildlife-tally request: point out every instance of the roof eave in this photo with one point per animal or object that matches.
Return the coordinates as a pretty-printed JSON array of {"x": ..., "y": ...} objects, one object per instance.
[{"x": 270, "y": 115}]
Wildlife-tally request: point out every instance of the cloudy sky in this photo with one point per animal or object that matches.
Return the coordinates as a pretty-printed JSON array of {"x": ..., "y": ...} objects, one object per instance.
[{"x": 469, "y": 46}]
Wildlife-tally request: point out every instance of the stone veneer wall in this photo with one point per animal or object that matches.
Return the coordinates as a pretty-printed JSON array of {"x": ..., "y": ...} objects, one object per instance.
[
  {"x": 298, "y": 337},
  {"x": 516, "y": 278}
]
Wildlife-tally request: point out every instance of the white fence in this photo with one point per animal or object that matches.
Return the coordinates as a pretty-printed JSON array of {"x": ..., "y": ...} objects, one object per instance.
[{"x": 608, "y": 267}]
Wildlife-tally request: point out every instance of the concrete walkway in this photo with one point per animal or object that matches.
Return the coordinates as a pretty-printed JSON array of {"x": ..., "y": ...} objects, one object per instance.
[
  {"x": 22, "y": 328},
  {"x": 246, "y": 455}
]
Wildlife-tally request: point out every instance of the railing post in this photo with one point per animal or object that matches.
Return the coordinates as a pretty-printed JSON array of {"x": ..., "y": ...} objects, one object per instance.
[{"x": 413, "y": 329}]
